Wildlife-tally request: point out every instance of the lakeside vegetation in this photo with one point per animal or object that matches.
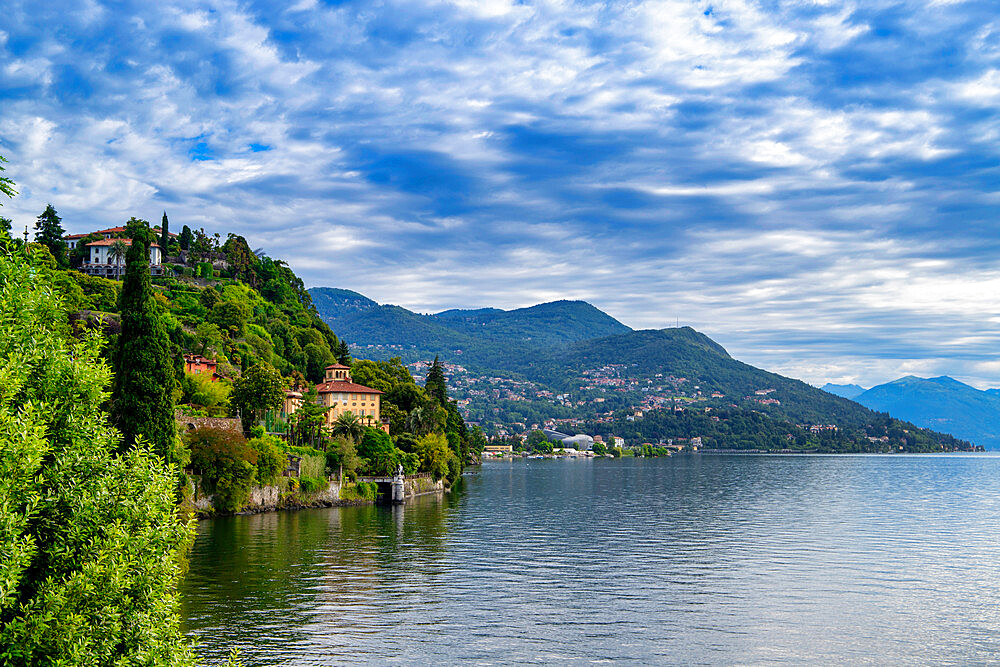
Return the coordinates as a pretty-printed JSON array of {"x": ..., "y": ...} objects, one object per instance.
[{"x": 96, "y": 512}]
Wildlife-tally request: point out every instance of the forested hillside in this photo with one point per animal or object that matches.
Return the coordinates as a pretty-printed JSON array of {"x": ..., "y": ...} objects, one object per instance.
[
  {"x": 482, "y": 336},
  {"x": 555, "y": 364}
]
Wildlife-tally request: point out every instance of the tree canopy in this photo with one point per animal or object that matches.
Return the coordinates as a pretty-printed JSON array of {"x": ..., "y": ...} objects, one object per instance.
[
  {"x": 49, "y": 232},
  {"x": 89, "y": 532}
]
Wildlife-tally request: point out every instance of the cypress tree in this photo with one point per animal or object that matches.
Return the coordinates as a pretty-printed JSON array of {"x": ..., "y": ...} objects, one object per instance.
[
  {"x": 49, "y": 232},
  {"x": 164, "y": 233},
  {"x": 185, "y": 238},
  {"x": 436, "y": 385},
  {"x": 142, "y": 396}
]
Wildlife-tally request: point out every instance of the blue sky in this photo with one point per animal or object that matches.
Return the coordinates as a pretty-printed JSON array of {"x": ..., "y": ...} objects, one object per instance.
[{"x": 813, "y": 184}]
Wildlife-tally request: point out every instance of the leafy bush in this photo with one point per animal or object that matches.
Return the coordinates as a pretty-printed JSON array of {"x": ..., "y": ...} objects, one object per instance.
[
  {"x": 378, "y": 451},
  {"x": 90, "y": 537},
  {"x": 360, "y": 491},
  {"x": 271, "y": 460},
  {"x": 342, "y": 458},
  {"x": 199, "y": 389},
  {"x": 312, "y": 484},
  {"x": 433, "y": 453},
  {"x": 227, "y": 465},
  {"x": 409, "y": 461}
]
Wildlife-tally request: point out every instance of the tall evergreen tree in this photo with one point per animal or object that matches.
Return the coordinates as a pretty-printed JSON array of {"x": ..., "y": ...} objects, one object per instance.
[
  {"x": 164, "y": 233},
  {"x": 343, "y": 353},
  {"x": 185, "y": 238},
  {"x": 49, "y": 232},
  {"x": 436, "y": 386},
  {"x": 142, "y": 397}
]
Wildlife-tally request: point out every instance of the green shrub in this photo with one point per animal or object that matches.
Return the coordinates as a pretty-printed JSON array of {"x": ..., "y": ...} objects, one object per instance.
[
  {"x": 360, "y": 491},
  {"x": 342, "y": 458},
  {"x": 271, "y": 460},
  {"x": 313, "y": 465},
  {"x": 227, "y": 465},
  {"x": 312, "y": 484},
  {"x": 409, "y": 461}
]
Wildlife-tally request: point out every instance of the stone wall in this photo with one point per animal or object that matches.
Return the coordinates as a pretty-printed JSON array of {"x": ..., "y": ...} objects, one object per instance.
[
  {"x": 185, "y": 424},
  {"x": 421, "y": 485},
  {"x": 271, "y": 497}
]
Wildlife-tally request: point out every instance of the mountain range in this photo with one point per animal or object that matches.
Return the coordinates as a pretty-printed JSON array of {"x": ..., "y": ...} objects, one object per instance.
[
  {"x": 850, "y": 391},
  {"x": 939, "y": 403},
  {"x": 570, "y": 361}
]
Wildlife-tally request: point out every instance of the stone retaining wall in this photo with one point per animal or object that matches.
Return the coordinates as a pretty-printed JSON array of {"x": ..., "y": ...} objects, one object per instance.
[
  {"x": 271, "y": 497},
  {"x": 422, "y": 485}
]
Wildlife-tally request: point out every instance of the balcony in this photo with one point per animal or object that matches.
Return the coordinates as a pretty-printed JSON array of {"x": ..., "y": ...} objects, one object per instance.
[{"x": 115, "y": 271}]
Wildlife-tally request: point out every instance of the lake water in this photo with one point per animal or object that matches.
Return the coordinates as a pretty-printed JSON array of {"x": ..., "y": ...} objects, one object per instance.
[{"x": 692, "y": 559}]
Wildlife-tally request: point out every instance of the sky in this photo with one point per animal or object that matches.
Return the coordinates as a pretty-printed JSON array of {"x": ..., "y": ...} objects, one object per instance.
[{"x": 813, "y": 184}]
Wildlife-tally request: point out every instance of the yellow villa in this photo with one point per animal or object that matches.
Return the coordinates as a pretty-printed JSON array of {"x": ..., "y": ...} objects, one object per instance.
[{"x": 339, "y": 395}]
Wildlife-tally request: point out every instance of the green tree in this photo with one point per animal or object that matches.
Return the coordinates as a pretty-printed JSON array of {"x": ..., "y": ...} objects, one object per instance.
[
  {"x": 600, "y": 448},
  {"x": 343, "y": 353},
  {"x": 434, "y": 453},
  {"x": 271, "y": 460},
  {"x": 117, "y": 251},
  {"x": 307, "y": 422},
  {"x": 90, "y": 535},
  {"x": 231, "y": 316},
  {"x": 199, "y": 389},
  {"x": 185, "y": 238},
  {"x": 342, "y": 457},
  {"x": 209, "y": 297},
  {"x": 208, "y": 337},
  {"x": 6, "y": 185},
  {"x": 377, "y": 449},
  {"x": 536, "y": 437},
  {"x": 260, "y": 389},
  {"x": 5, "y": 226},
  {"x": 49, "y": 232},
  {"x": 228, "y": 466},
  {"x": 142, "y": 398},
  {"x": 426, "y": 418},
  {"x": 436, "y": 385},
  {"x": 164, "y": 233},
  {"x": 348, "y": 425}
]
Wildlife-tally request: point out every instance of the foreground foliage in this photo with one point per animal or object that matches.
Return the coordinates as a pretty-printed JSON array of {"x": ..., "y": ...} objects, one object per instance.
[{"x": 89, "y": 537}]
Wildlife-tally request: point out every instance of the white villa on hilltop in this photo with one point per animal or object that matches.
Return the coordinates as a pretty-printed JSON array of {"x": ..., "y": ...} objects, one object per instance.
[{"x": 100, "y": 262}]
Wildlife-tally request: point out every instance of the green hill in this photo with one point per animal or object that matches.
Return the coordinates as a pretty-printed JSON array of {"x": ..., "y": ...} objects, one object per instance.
[
  {"x": 485, "y": 337},
  {"x": 568, "y": 360},
  {"x": 545, "y": 324},
  {"x": 329, "y": 299}
]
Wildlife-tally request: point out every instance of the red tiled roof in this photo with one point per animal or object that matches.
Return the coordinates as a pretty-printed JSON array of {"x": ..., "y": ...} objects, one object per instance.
[
  {"x": 343, "y": 387},
  {"x": 337, "y": 366},
  {"x": 110, "y": 230},
  {"x": 113, "y": 241}
]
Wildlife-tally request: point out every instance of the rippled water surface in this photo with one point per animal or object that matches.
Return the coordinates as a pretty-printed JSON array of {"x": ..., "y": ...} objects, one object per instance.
[{"x": 691, "y": 559}]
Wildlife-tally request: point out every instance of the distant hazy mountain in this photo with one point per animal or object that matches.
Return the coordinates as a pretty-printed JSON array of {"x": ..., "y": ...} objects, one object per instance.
[
  {"x": 850, "y": 391},
  {"x": 942, "y": 404}
]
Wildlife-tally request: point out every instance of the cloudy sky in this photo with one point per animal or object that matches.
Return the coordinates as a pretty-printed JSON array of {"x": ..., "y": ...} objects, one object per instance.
[{"x": 814, "y": 184}]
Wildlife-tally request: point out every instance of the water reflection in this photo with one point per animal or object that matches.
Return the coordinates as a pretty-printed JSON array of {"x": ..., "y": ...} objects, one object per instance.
[{"x": 694, "y": 559}]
